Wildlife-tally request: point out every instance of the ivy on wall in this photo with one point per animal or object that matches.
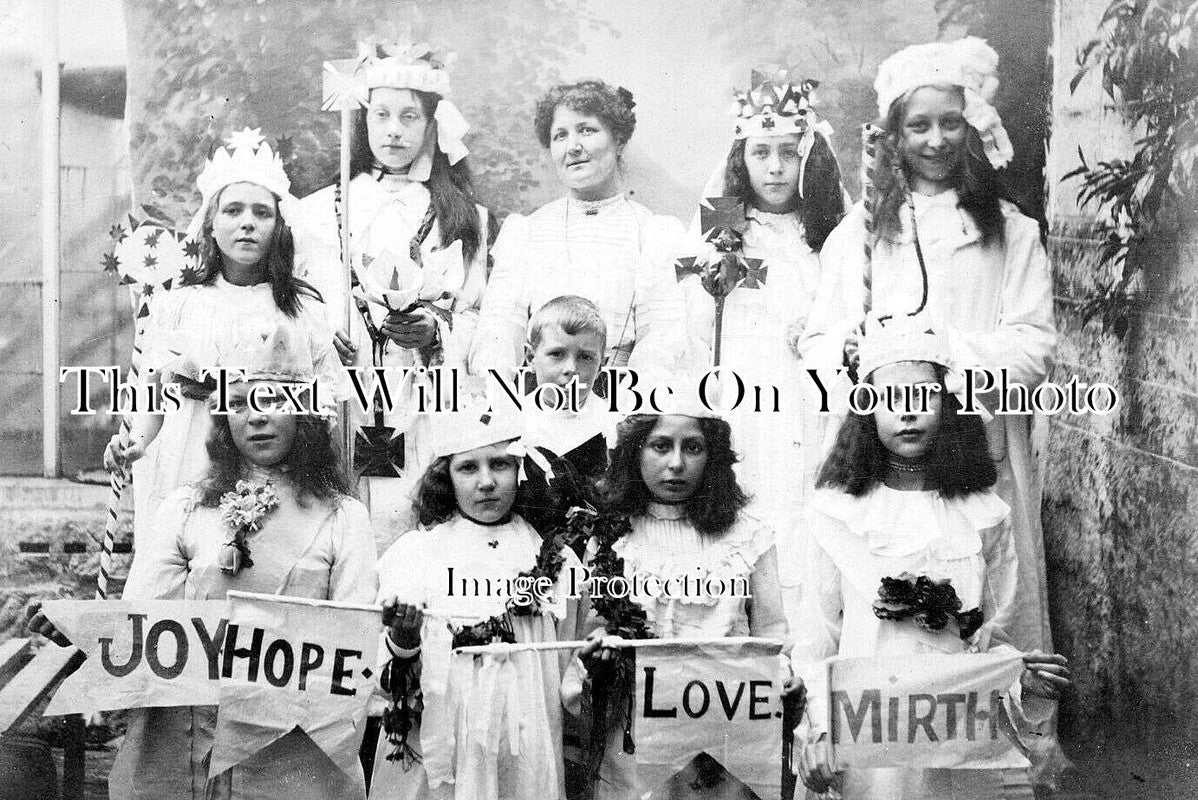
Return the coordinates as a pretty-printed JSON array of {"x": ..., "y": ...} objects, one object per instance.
[{"x": 1145, "y": 54}]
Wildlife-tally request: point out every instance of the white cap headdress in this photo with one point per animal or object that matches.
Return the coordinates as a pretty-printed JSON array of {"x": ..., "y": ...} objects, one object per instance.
[
  {"x": 674, "y": 361},
  {"x": 246, "y": 158},
  {"x": 969, "y": 63},
  {"x": 481, "y": 423},
  {"x": 421, "y": 68}
]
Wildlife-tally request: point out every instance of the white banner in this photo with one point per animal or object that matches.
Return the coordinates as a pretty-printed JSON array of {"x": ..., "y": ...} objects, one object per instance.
[
  {"x": 719, "y": 696},
  {"x": 932, "y": 711},
  {"x": 139, "y": 653},
  {"x": 294, "y": 663}
]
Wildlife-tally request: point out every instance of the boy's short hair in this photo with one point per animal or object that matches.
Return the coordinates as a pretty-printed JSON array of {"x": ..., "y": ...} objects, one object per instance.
[{"x": 573, "y": 314}]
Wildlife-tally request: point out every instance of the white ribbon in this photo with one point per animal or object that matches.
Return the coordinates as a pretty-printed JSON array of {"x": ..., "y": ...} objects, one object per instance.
[
  {"x": 451, "y": 129},
  {"x": 521, "y": 449}
]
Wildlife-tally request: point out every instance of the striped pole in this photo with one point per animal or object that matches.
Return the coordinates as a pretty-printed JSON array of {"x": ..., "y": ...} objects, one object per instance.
[
  {"x": 120, "y": 476},
  {"x": 870, "y": 134}
]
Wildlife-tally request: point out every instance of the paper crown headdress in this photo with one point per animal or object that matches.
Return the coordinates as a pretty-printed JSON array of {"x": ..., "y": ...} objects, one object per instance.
[
  {"x": 969, "y": 63},
  {"x": 245, "y": 158},
  {"x": 672, "y": 360},
  {"x": 776, "y": 103},
  {"x": 403, "y": 65},
  {"x": 271, "y": 353},
  {"x": 896, "y": 339}
]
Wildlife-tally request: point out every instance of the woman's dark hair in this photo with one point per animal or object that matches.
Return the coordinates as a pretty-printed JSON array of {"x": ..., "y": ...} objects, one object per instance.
[
  {"x": 435, "y": 502},
  {"x": 612, "y": 105},
  {"x": 958, "y": 463},
  {"x": 280, "y": 260},
  {"x": 712, "y": 509},
  {"x": 819, "y": 204},
  {"x": 314, "y": 463},
  {"x": 978, "y": 186},
  {"x": 451, "y": 186}
]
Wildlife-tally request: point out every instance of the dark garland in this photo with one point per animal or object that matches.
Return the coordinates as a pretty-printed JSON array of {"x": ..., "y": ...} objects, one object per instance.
[
  {"x": 622, "y": 617},
  {"x": 929, "y": 603},
  {"x": 401, "y": 678}
]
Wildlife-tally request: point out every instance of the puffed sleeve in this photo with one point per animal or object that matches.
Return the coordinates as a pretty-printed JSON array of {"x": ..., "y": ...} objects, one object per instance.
[
  {"x": 502, "y": 321},
  {"x": 1025, "y": 337},
  {"x": 1000, "y": 582},
  {"x": 164, "y": 341},
  {"x": 458, "y": 339},
  {"x": 658, "y": 303},
  {"x": 766, "y": 616},
  {"x": 161, "y": 562},
  {"x": 334, "y": 383},
  {"x": 838, "y": 309},
  {"x": 354, "y": 577},
  {"x": 318, "y": 252}
]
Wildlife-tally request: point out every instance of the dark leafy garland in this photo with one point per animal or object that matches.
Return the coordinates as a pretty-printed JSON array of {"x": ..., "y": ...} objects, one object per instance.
[
  {"x": 611, "y": 682},
  {"x": 401, "y": 676},
  {"x": 929, "y": 603}
]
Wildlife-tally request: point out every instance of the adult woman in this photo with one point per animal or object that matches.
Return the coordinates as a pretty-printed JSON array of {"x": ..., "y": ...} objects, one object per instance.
[
  {"x": 945, "y": 240},
  {"x": 413, "y": 212},
  {"x": 595, "y": 242},
  {"x": 783, "y": 170},
  {"x": 246, "y": 286},
  {"x": 314, "y": 541}
]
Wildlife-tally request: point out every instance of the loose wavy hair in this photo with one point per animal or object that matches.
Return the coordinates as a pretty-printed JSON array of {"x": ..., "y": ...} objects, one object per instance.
[
  {"x": 280, "y": 260},
  {"x": 819, "y": 202},
  {"x": 977, "y": 183},
  {"x": 314, "y": 463},
  {"x": 451, "y": 186},
  {"x": 537, "y": 502},
  {"x": 713, "y": 507},
  {"x": 958, "y": 462},
  {"x": 612, "y": 105}
]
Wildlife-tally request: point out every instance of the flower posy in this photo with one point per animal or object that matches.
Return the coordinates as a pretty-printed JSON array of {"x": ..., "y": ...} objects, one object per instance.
[{"x": 243, "y": 510}]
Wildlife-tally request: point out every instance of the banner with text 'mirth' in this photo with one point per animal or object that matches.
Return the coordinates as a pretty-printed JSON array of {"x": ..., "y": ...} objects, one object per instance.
[
  {"x": 931, "y": 711},
  {"x": 140, "y": 653},
  {"x": 721, "y": 697},
  {"x": 295, "y": 663}
]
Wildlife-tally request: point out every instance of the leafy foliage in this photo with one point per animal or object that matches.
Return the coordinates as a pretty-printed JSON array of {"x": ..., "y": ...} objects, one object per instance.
[
  {"x": 199, "y": 69},
  {"x": 1145, "y": 53}
]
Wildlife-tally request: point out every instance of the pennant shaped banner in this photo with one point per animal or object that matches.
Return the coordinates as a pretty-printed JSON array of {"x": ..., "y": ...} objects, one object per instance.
[
  {"x": 139, "y": 653},
  {"x": 295, "y": 663},
  {"x": 721, "y": 697},
  {"x": 932, "y": 711}
]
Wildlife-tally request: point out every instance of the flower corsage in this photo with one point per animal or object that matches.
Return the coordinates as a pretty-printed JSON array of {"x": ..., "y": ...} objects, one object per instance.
[
  {"x": 929, "y": 603},
  {"x": 243, "y": 510}
]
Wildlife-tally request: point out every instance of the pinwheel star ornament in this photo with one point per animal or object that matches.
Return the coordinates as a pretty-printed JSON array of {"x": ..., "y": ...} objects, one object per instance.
[{"x": 720, "y": 272}]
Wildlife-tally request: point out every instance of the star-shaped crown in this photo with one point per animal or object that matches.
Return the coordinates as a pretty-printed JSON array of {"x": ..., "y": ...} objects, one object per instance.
[
  {"x": 246, "y": 158},
  {"x": 776, "y": 103}
]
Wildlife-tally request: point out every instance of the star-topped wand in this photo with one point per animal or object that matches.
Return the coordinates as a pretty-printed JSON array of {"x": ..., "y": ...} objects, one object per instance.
[
  {"x": 723, "y": 222},
  {"x": 149, "y": 256}
]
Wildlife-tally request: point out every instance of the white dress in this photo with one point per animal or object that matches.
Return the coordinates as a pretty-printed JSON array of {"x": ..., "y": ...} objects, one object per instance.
[
  {"x": 852, "y": 543},
  {"x": 314, "y": 551},
  {"x": 199, "y": 327},
  {"x": 994, "y": 305},
  {"x": 385, "y": 217},
  {"x": 664, "y": 544},
  {"x": 615, "y": 253},
  {"x": 775, "y": 467},
  {"x": 512, "y": 752}
]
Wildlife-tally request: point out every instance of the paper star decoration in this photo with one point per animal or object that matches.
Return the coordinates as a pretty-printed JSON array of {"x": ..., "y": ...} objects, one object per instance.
[{"x": 246, "y": 137}]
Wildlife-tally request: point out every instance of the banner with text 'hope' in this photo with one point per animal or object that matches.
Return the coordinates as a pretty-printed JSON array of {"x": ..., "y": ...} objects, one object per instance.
[
  {"x": 721, "y": 697},
  {"x": 295, "y": 663},
  {"x": 931, "y": 711}
]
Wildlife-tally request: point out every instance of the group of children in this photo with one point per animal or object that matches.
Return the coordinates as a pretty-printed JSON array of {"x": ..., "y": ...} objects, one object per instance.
[{"x": 940, "y": 274}]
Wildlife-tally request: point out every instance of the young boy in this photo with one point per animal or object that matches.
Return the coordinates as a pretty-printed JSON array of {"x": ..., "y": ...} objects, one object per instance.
[{"x": 566, "y": 342}]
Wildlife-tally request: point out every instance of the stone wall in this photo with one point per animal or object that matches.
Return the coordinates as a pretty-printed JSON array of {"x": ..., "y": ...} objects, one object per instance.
[{"x": 1121, "y": 491}]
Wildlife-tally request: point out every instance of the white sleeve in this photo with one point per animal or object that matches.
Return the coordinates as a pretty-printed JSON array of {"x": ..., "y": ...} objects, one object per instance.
[{"x": 503, "y": 320}]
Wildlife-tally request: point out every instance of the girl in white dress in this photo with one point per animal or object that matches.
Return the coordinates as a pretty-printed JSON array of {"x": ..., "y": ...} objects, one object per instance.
[
  {"x": 473, "y": 728},
  {"x": 782, "y": 168},
  {"x": 245, "y": 287},
  {"x": 314, "y": 541},
  {"x": 672, "y": 489},
  {"x": 413, "y": 215},
  {"x": 908, "y": 492},
  {"x": 595, "y": 242},
  {"x": 943, "y": 238}
]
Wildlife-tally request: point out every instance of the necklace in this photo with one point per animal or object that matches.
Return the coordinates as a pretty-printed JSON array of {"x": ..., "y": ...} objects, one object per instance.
[{"x": 909, "y": 467}]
